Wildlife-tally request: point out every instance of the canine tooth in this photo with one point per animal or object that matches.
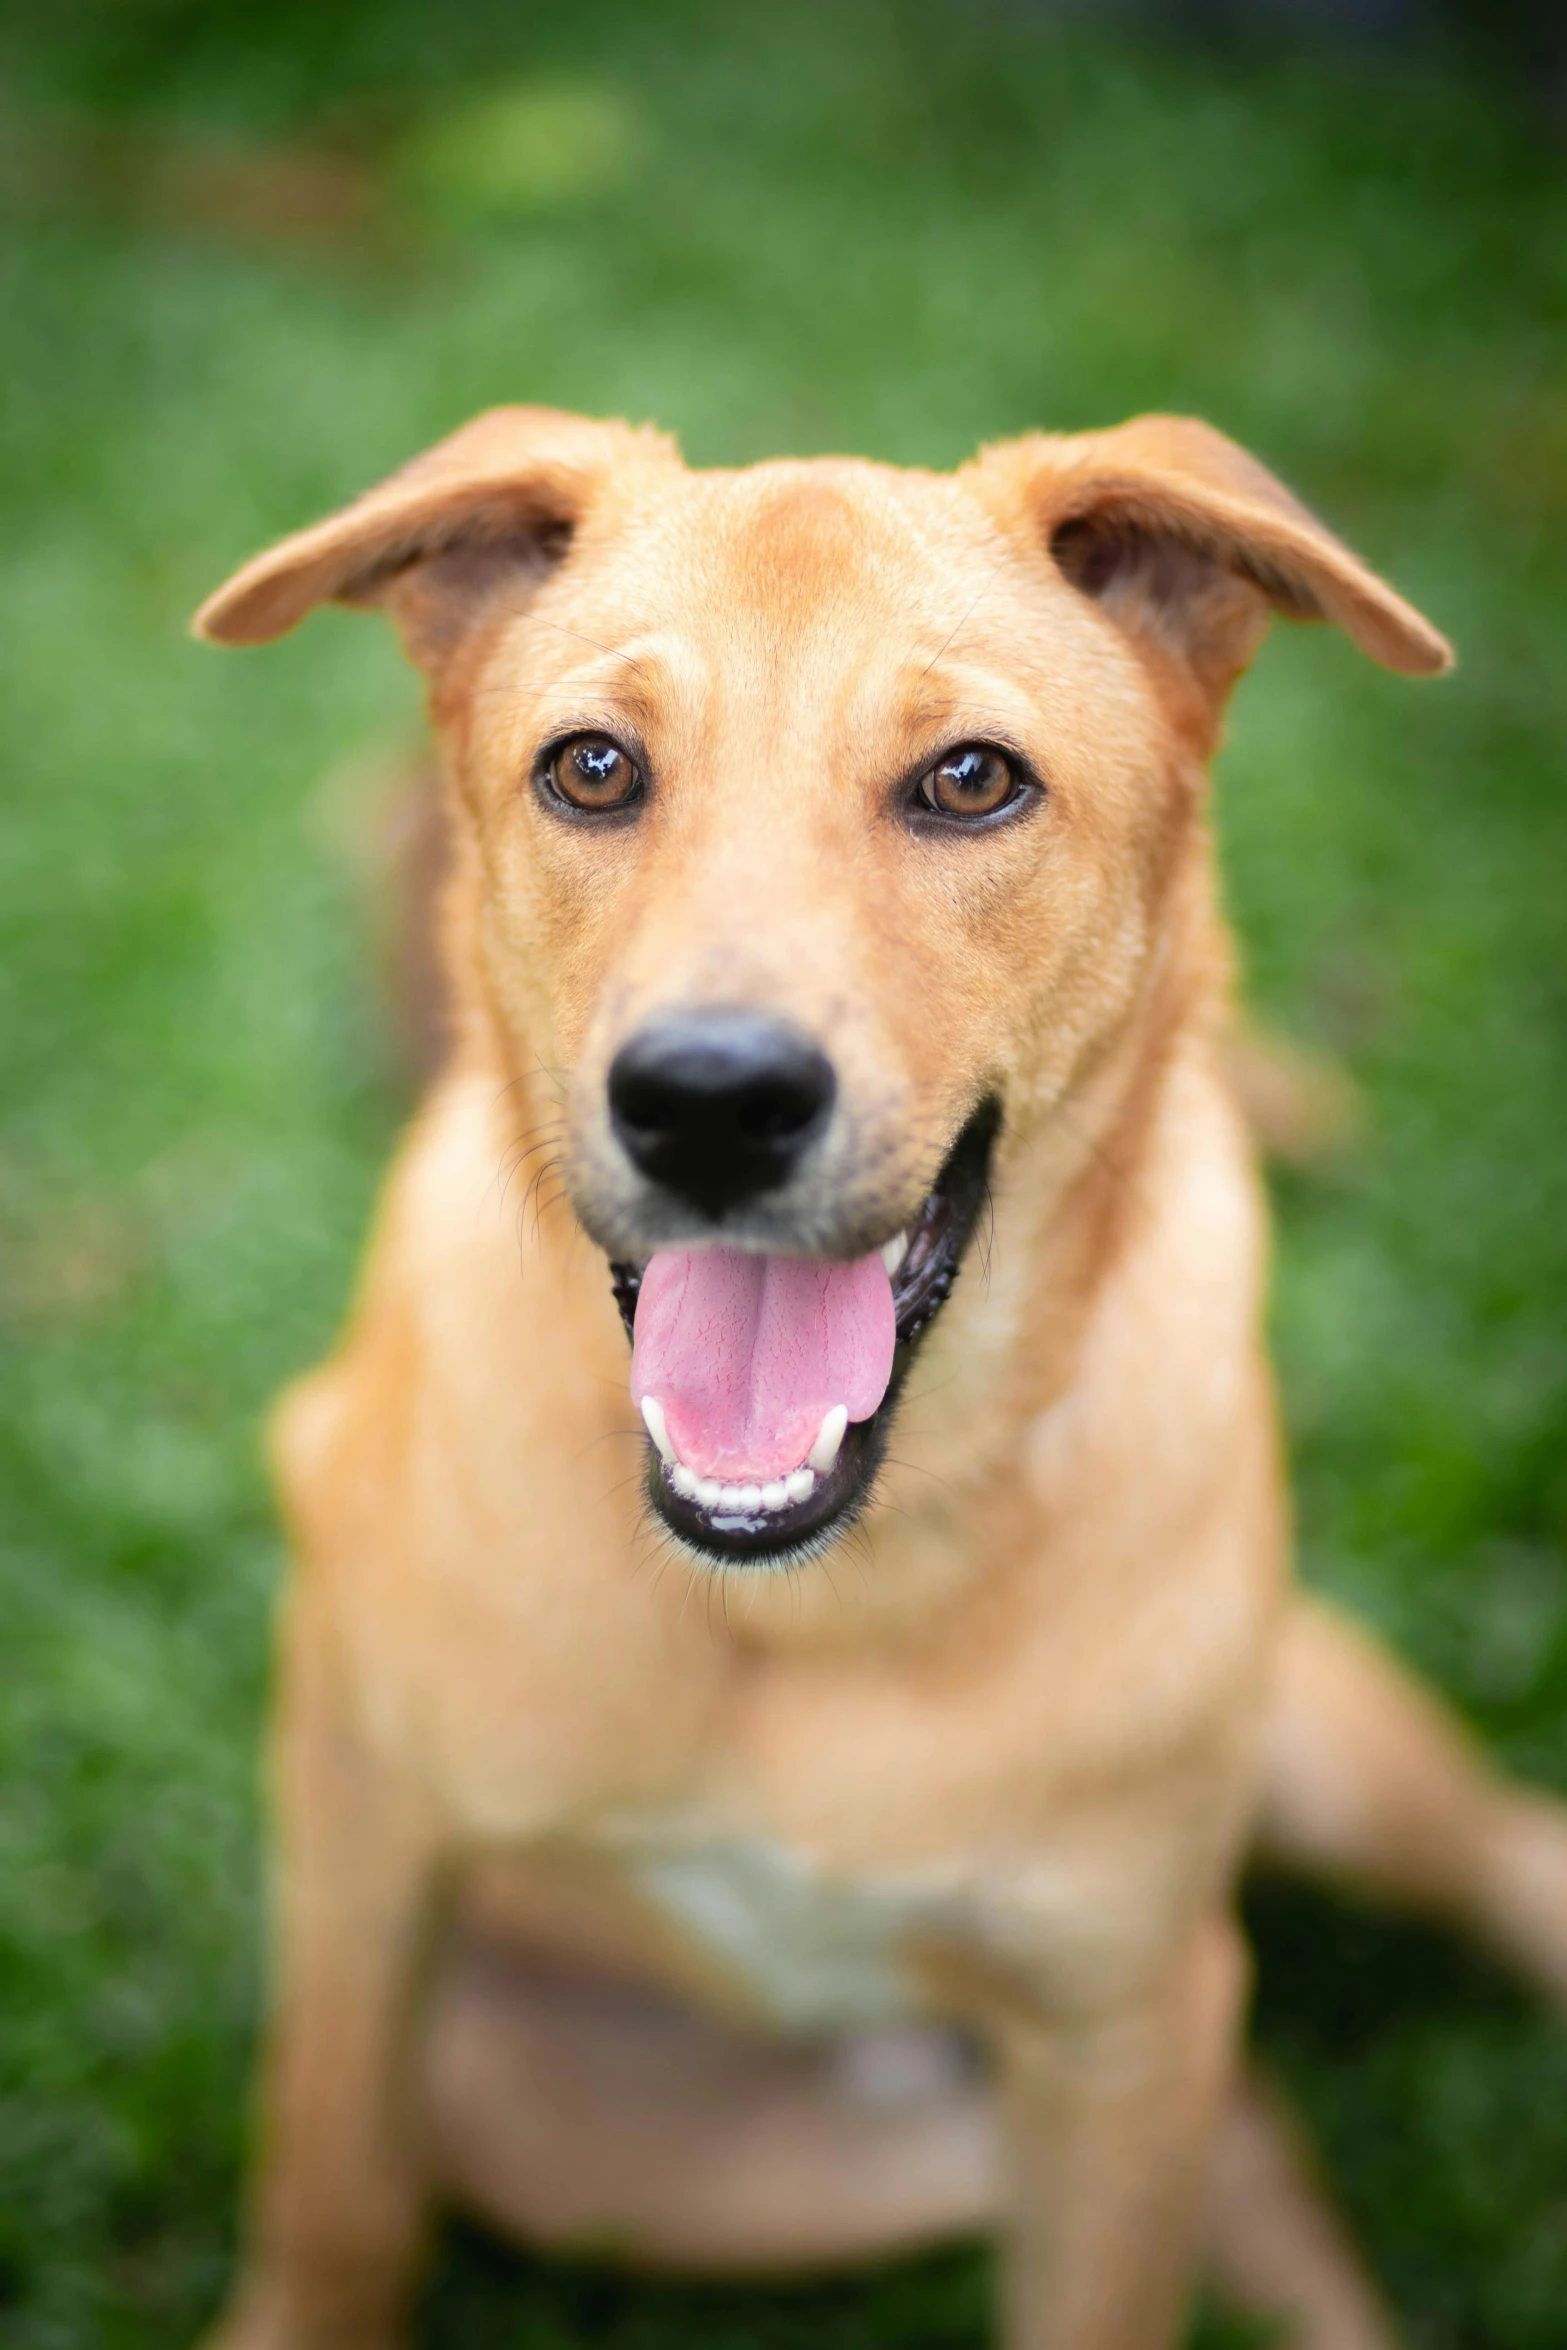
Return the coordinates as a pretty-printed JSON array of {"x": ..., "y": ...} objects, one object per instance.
[
  {"x": 830, "y": 1436},
  {"x": 893, "y": 1253},
  {"x": 775, "y": 1495},
  {"x": 653, "y": 1415},
  {"x": 681, "y": 1479},
  {"x": 708, "y": 1492},
  {"x": 800, "y": 1484},
  {"x": 748, "y": 1497}
]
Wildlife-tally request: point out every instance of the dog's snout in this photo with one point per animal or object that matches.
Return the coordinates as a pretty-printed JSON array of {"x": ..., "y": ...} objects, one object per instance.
[{"x": 719, "y": 1106}]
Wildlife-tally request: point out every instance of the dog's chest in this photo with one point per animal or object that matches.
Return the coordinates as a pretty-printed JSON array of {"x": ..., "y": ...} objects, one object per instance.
[{"x": 817, "y": 1952}]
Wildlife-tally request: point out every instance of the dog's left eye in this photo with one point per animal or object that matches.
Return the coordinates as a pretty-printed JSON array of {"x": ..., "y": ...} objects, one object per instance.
[
  {"x": 594, "y": 774},
  {"x": 971, "y": 782}
]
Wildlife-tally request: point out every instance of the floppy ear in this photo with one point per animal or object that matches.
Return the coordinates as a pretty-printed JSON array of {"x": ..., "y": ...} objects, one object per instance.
[
  {"x": 499, "y": 499},
  {"x": 1188, "y": 543}
]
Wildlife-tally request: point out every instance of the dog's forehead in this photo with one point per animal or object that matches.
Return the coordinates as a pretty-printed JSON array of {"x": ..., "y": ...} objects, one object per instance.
[
  {"x": 822, "y": 599},
  {"x": 797, "y": 542}
]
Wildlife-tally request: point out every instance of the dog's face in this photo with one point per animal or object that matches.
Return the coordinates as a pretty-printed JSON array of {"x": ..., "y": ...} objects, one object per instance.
[
  {"x": 827, "y": 818},
  {"x": 805, "y": 781}
]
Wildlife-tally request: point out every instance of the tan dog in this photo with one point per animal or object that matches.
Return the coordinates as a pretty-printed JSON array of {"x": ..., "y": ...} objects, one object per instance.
[{"x": 832, "y": 925}]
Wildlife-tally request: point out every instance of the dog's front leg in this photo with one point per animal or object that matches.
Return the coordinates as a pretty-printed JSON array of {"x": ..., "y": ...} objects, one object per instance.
[
  {"x": 1109, "y": 2119},
  {"x": 337, "y": 2205}
]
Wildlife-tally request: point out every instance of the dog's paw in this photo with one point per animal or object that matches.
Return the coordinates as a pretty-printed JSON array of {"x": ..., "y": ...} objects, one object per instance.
[
  {"x": 1526, "y": 1907},
  {"x": 249, "y": 2330},
  {"x": 265, "y": 2317}
]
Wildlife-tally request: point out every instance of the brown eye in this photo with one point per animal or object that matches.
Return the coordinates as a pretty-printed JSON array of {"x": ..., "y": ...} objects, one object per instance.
[
  {"x": 973, "y": 781},
  {"x": 593, "y": 774}
]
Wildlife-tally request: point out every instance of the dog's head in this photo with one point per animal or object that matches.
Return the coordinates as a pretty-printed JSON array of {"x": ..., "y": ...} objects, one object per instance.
[{"x": 824, "y": 818}]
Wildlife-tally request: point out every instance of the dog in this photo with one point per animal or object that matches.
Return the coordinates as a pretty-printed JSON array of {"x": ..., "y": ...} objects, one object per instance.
[{"x": 792, "y": 1634}]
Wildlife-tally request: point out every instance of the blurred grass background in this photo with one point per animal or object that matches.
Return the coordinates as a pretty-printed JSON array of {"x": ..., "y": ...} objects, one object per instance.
[{"x": 251, "y": 258}]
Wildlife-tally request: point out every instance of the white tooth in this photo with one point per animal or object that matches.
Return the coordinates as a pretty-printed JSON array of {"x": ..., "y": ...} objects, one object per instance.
[
  {"x": 684, "y": 1483},
  {"x": 653, "y": 1414},
  {"x": 800, "y": 1485},
  {"x": 775, "y": 1495},
  {"x": 708, "y": 1492},
  {"x": 829, "y": 1437},
  {"x": 748, "y": 1497},
  {"x": 893, "y": 1253}
]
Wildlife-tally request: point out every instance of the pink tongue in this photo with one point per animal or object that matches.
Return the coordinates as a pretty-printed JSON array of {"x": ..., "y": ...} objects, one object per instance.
[{"x": 748, "y": 1354}]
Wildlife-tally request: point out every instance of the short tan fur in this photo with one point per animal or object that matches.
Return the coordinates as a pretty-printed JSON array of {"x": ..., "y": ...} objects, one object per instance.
[{"x": 640, "y": 1906}]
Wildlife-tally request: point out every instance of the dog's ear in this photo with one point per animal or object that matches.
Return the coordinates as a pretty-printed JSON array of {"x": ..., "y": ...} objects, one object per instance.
[
  {"x": 1188, "y": 544},
  {"x": 496, "y": 503}
]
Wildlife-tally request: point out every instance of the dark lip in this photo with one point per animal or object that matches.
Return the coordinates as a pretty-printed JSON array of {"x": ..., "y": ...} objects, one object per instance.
[{"x": 939, "y": 1238}]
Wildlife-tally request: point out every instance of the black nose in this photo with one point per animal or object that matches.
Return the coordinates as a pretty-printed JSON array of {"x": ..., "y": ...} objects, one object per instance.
[{"x": 718, "y": 1106}]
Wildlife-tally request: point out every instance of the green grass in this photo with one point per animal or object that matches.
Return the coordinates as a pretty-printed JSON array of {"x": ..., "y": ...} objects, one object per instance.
[{"x": 891, "y": 230}]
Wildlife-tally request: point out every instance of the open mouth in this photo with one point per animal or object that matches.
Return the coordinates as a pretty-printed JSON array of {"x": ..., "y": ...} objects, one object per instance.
[{"x": 767, "y": 1384}]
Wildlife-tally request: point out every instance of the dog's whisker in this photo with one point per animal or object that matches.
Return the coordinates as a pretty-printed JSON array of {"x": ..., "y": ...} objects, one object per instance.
[
  {"x": 545, "y": 1205},
  {"x": 946, "y": 648},
  {"x": 511, "y": 1168},
  {"x": 516, "y": 1156},
  {"x": 918, "y": 1469},
  {"x": 608, "y": 1436},
  {"x": 526, "y": 1231},
  {"x": 545, "y": 1172},
  {"x": 558, "y": 1080}
]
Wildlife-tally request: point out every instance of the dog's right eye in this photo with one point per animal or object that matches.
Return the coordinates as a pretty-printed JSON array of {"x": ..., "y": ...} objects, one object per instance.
[{"x": 594, "y": 775}]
